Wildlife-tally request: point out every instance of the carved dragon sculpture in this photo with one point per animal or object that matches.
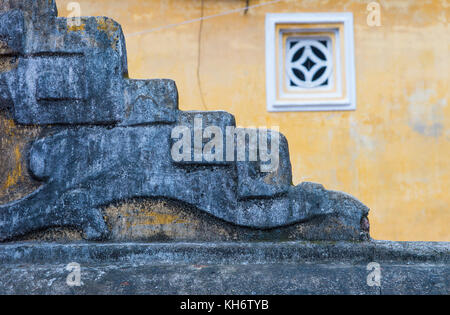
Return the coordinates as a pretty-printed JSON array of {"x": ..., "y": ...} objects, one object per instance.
[{"x": 108, "y": 138}]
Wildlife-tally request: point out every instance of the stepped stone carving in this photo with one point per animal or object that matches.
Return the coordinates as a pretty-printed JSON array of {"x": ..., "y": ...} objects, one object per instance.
[{"x": 107, "y": 138}]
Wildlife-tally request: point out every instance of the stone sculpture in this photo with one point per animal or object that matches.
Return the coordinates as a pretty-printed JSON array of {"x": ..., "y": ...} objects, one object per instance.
[{"x": 108, "y": 138}]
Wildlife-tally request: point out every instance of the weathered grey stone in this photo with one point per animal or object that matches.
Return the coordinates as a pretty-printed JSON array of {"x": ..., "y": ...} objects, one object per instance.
[
  {"x": 227, "y": 268},
  {"x": 88, "y": 167},
  {"x": 254, "y": 183},
  {"x": 65, "y": 74},
  {"x": 235, "y": 279},
  {"x": 108, "y": 139},
  {"x": 197, "y": 121},
  {"x": 225, "y": 253},
  {"x": 11, "y": 32},
  {"x": 150, "y": 101}
]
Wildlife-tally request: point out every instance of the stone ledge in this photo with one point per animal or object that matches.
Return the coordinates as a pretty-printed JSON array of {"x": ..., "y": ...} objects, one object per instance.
[
  {"x": 331, "y": 278},
  {"x": 226, "y": 268},
  {"x": 226, "y": 253}
]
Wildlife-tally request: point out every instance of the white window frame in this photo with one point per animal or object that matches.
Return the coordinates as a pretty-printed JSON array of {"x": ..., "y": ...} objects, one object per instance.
[{"x": 276, "y": 105}]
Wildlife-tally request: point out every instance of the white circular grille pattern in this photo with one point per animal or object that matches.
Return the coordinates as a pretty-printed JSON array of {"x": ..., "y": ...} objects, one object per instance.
[{"x": 308, "y": 63}]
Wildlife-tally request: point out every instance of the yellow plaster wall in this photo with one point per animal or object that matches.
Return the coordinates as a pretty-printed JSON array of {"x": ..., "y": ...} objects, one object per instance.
[{"x": 393, "y": 152}]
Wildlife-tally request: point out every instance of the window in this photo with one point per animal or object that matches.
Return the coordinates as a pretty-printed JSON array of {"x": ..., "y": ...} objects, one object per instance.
[{"x": 310, "y": 62}]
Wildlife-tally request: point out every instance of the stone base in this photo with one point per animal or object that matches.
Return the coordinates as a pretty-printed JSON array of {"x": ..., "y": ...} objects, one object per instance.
[{"x": 226, "y": 268}]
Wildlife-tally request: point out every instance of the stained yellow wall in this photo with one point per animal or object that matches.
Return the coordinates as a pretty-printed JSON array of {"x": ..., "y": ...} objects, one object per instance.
[{"x": 393, "y": 152}]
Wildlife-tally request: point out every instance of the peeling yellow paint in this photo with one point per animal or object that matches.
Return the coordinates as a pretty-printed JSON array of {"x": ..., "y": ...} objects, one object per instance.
[
  {"x": 15, "y": 182},
  {"x": 155, "y": 218},
  {"x": 14, "y": 176},
  {"x": 110, "y": 28},
  {"x": 159, "y": 219},
  {"x": 143, "y": 214},
  {"x": 9, "y": 126},
  {"x": 107, "y": 25},
  {"x": 76, "y": 28}
]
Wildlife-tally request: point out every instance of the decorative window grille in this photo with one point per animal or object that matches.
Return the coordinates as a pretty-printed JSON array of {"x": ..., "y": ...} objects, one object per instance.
[{"x": 309, "y": 62}]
